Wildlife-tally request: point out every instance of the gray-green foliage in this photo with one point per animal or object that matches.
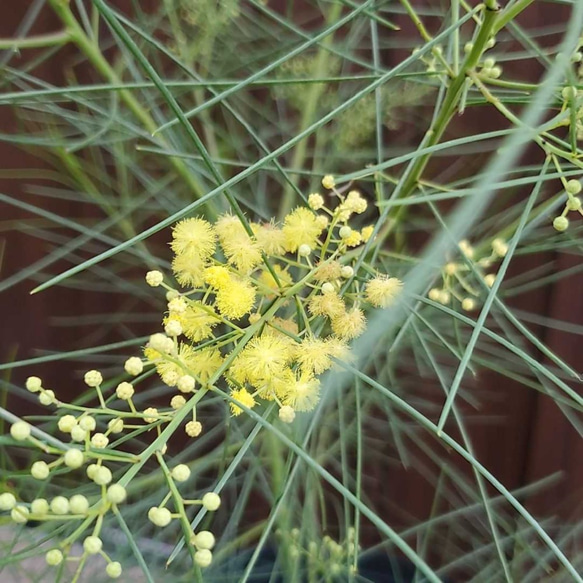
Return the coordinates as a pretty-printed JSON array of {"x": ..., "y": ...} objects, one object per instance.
[{"x": 201, "y": 107}]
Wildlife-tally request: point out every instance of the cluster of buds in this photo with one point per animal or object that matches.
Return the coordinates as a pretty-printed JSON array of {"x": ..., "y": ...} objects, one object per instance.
[
  {"x": 457, "y": 285},
  {"x": 573, "y": 204}
]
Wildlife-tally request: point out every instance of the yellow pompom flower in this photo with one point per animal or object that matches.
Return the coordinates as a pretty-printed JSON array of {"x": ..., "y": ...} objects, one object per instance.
[
  {"x": 205, "y": 363},
  {"x": 217, "y": 276},
  {"x": 328, "y": 271},
  {"x": 382, "y": 290},
  {"x": 349, "y": 325},
  {"x": 270, "y": 238},
  {"x": 198, "y": 322},
  {"x": 240, "y": 249},
  {"x": 301, "y": 227},
  {"x": 327, "y": 304},
  {"x": 300, "y": 391},
  {"x": 355, "y": 202},
  {"x": 244, "y": 397},
  {"x": 263, "y": 358},
  {"x": 189, "y": 269},
  {"x": 235, "y": 299},
  {"x": 353, "y": 240},
  {"x": 315, "y": 354},
  {"x": 194, "y": 237}
]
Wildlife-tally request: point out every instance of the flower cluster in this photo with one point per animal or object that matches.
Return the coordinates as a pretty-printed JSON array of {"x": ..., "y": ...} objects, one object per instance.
[
  {"x": 266, "y": 308},
  {"x": 457, "y": 276}
]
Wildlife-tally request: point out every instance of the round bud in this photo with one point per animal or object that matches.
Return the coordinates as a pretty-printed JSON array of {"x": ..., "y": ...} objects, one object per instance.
[
  {"x": 40, "y": 470},
  {"x": 185, "y": 384},
  {"x": 102, "y": 476},
  {"x": 39, "y": 507},
  {"x": 574, "y": 204},
  {"x": 154, "y": 278},
  {"x": 304, "y": 250},
  {"x": 93, "y": 378},
  {"x": 60, "y": 505},
  {"x": 78, "y": 433},
  {"x": 346, "y": 271},
  {"x": 99, "y": 441},
  {"x": 181, "y": 473},
  {"x": 327, "y": 288},
  {"x": 47, "y": 397},
  {"x": 171, "y": 294},
  {"x": 151, "y": 415},
  {"x": 203, "y": 558},
  {"x": 489, "y": 62},
  {"x": 576, "y": 57},
  {"x": 468, "y": 47},
  {"x": 20, "y": 430},
  {"x": 345, "y": 232},
  {"x": 92, "y": 545},
  {"x": 315, "y": 201},
  {"x": 490, "y": 279},
  {"x": 74, "y": 458},
  {"x": 434, "y": 294},
  {"x": 19, "y": 514},
  {"x": 54, "y": 557},
  {"x": 568, "y": 93},
  {"x": 91, "y": 470},
  {"x": 444, "y": 297},
  {"x": 66, "y": 423},
  {"x": 204, "y": 540},
  {"x": 115, "y": 425},
  {"x": 33, "y": 384},
  {"x": 328, "y": 181},
  {"x": 161, "y": 343},
  {"x": 116, "y": 494},
  {"x": 173, "y": 327},
  {"x": 78, "y": 504},
  {"x": 160, "y": 516},
  {"x": 193, "y": 428},
  {"x": 177, "y": 305},
  {"x": 322, "y": 221},
  {"x": 496, "y": 72},
  {"x": 211, "y": 501},
  {"x": 124, "y": 391},
  {"x": 287, "y": 414},
  {"x": 573, "y": 187},
  {"x": 7, "y": 501},
  {"x": 468, "y": 304},
  {"x": 500, "y": 247},
  {"x": 491, "y": 43},
  {"x": 450, "y": 268},
  {"x": 113, "y": 569},
  {"x": 177, "y": 402},
  {"x": 561, "y": 224},
  {"x": 88, "y": 423},
  {"x": 133, "y": 366}
]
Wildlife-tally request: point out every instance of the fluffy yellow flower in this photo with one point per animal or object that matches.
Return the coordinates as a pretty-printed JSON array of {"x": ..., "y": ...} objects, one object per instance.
[
  {"x": 195, "y": 237},
  {"x": 171, "y": 371},
  {"x": 217, "y": 276},
  {"x": 353, "y": 240},
  {"x": 349, "y": 325},
  {"x": 189, "y": 269},
  {"x": 240, "y": 249},
  {"x": 244, "y": 397},
  {"x": 270, "y": 238},
  {"x": 300, "y": 391},
  {"x": 328, "y": 271},
  {"x": 315, "y": 354},
  {"x": 198, "y": 322},
  {"x": 382, "y": 290},
  {"x": 327, "y": 304},
  {"x": 263, "y": 358},
  {"x": 204, "y": 363},
  {"x": 300, "y": 227},
  {"x": 235, "y": 299}
]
